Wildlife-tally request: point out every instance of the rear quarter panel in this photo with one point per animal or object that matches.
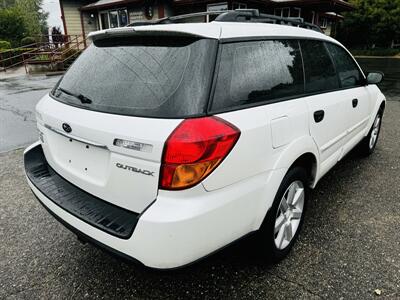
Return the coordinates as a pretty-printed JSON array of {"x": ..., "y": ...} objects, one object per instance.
[{"x": 272, "y": 137}]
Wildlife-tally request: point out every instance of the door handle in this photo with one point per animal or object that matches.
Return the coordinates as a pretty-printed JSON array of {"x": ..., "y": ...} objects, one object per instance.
[
  {"x": 355, "y": 102},
  {"x": 319, "y": 116}
]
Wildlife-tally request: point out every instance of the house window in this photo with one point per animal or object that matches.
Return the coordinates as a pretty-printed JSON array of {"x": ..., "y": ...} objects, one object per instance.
[
  {"x": 323, "y": 22},
  {"x": 313, "y": 17},
  {"x": 237, "y": 5},
  {"x": 113, "y": 18},
  {"x": 295, "y": 12},
  {"x": 278, "y": 12},
  {"x": 122, "y": 17},
  {"x": 287, "y": 12},
  {"x": 216, "y": 7},
  {"x": 104, "y": 24}
]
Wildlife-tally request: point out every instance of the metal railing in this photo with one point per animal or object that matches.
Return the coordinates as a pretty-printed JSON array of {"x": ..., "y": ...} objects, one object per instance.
[{"x": 52, "y": 50}]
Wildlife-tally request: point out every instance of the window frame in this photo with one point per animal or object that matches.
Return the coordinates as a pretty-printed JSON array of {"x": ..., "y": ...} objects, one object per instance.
[
  {"x": 240, "y": 5},
  {"x": 323, "y": 22},
  {"x": 280, "y": 11},
  {"x": 211, "y": 111},
  {"x": 298, "y": 10},
  {"x": 211, "y": 5},
  {"x": 107, "y": 13}
]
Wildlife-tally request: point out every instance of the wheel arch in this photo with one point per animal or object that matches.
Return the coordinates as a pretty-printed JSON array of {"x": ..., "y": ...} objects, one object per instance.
[
  {"x": 302, "y": 152},
  {"x": 382, "y": 106},
  {"x": 379, "y": 106},
  {"x": 307, "y": 161}
]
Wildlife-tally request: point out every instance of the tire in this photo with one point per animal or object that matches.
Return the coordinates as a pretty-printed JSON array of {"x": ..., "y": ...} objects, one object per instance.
[
  {"x": 276, "y": 244},
  {"x": 368, "y": 144}
]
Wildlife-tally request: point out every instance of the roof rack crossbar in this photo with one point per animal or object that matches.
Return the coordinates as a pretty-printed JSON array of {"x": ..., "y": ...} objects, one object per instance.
[{"x": 238, "y": 15}]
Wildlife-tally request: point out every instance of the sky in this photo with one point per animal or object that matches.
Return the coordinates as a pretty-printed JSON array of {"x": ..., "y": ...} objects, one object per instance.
[{"x": 53, "y": 8}]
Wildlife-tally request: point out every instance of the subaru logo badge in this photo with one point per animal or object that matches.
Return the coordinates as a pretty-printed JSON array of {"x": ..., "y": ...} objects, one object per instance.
[{"x": 66, "y": 127}]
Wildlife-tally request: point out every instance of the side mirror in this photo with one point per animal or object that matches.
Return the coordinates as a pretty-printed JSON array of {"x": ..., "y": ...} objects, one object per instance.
[{"x": 374, "y": 77}]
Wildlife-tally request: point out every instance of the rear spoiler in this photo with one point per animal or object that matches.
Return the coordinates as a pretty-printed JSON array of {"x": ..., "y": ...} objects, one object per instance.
[{"x": 131, "y": 31}]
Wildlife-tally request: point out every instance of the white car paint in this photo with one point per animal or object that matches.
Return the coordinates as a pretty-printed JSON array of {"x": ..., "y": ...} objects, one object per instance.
[{"x": 183, "y": 226}]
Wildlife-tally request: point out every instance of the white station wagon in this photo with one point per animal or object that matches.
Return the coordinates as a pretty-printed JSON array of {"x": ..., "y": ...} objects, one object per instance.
[{"x": 166, "y": 142}]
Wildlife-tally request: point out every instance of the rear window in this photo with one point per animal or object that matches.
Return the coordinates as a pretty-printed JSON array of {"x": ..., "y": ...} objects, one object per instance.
[
  {"x": 254, "y": 72},
  {"x": 148, "y": 76},
  {"x": 320, "y": 75}
]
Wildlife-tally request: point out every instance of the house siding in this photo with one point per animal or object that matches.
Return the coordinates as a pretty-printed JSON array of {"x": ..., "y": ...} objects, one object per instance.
[
  {"x": 72, "y": 16},
  {"x": 89, "y": 24}
]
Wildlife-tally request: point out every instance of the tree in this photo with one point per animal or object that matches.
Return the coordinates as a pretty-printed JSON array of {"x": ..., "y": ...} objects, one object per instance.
[
  {"x": 12, "y": 25},
  {"x": 34, "y": 17},
  {"x": 373, "y": 22},
  {"x": 21, "y": 18}
]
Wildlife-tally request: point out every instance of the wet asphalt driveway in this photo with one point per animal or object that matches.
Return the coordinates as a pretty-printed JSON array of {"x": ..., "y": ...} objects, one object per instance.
[
  {"x": 18, "y": 98},
  {"x": 349, "y": 247}
]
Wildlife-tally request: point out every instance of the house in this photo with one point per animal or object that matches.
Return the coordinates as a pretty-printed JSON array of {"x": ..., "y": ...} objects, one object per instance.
[{"x": 83, "y": 16}]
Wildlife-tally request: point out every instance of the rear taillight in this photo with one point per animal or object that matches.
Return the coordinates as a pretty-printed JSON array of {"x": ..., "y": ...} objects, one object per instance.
[{"x": 194, "y": 149}]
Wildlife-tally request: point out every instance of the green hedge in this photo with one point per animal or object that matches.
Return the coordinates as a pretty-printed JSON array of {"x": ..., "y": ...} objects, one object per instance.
[
  {"x": 375, "y": 52},
  {"x": 28, "y": 41},
  {"x": 5, "y": 45}
]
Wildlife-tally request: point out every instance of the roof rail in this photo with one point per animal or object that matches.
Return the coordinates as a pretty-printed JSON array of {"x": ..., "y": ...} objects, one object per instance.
[
  {"x": 238, "y": 15},
  {"x": 175, "y": 19}
]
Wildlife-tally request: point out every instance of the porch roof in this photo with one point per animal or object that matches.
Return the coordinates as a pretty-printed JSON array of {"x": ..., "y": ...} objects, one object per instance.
[
  {"x": 106, "y": 3},
  {"x": 318, "y": 5}
]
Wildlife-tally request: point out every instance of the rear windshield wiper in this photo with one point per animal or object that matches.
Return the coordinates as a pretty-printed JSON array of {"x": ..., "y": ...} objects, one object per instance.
[{"x": 82, "y": 98}]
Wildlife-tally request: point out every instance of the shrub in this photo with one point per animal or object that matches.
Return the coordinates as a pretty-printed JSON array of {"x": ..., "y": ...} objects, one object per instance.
[
  {"x": 5, "y": 45},
  {"x": 27, "y": 41}
]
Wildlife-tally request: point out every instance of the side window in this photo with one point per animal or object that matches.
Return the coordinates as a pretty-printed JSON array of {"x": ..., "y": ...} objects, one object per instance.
[
  {"x": 251, "y": 72},
  {"x": 349, "y": 74},
  {"x": 319, "y": 70}
]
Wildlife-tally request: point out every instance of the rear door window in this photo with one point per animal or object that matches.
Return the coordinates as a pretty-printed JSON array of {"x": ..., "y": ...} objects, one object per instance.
[
  {"x": 254, "y": 72},
  {"x": 349, "y": 73},
  {"x": 145, "y": 76},
  {"x": 319, "y": 70}
]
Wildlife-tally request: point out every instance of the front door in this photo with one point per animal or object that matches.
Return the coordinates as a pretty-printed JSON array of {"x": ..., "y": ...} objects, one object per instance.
[
  {"x": 354, "y": 93},
  {"x": 327, "y": 107}
]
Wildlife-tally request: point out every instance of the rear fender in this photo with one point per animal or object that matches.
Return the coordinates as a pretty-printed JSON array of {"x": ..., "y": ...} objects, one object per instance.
[{"x": 296, "y": 149}]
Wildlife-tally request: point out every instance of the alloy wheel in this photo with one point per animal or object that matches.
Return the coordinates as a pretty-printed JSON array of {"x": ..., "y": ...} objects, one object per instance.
[
  {"x": 375, "y": 132},
  {"x": 289, "y": 214}
]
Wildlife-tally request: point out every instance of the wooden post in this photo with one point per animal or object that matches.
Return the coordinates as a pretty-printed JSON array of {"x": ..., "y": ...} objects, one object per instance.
[
  {"x": 23, "y": 60},
  {"x": 83, "y": 29}
]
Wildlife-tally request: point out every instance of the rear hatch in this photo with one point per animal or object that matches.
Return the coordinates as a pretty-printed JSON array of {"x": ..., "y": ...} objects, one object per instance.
[{"x": 105, "y": 123}]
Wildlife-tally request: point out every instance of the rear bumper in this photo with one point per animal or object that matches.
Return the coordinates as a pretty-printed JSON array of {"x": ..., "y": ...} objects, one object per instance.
[
  {"x": 88, "y": 208},
  {"x": 180, "y": 227}
]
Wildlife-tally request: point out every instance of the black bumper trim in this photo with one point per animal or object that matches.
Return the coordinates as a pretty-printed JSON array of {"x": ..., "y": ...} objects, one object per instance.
[
  {"x": 85, "y": 238},
  {"x": 103, "y": 215}
]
